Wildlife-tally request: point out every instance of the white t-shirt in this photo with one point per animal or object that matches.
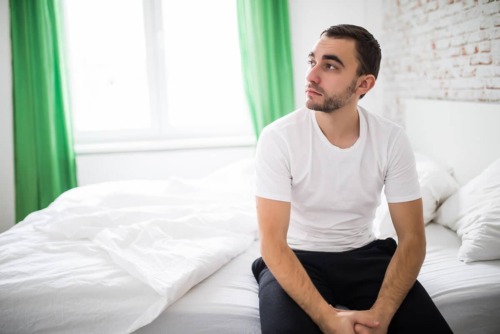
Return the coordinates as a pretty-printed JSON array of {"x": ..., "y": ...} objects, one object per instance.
[{"x": 333, "y": 192}]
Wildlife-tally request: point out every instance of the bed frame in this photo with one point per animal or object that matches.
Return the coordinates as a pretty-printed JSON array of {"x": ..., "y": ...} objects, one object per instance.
[{"x": 455, "y": 133}]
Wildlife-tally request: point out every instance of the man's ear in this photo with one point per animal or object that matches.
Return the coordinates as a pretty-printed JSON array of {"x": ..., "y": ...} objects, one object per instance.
[{"x": 365, "y": 83}]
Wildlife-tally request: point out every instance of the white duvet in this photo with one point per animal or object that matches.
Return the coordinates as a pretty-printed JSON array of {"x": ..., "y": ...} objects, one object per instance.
[{"x": 110, "y": 258}]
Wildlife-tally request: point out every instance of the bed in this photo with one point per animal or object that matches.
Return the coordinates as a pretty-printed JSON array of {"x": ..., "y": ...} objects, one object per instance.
[{"x": 174, "y": 256}]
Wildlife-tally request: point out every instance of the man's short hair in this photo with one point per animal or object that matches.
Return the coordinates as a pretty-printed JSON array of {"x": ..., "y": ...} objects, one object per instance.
[{"x": 368, "y": 49}]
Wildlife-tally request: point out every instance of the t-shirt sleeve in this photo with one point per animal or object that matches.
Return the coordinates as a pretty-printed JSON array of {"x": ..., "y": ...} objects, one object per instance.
[
  {"x": 401, "y": 179},
  {"x": 272, "y": 167}
]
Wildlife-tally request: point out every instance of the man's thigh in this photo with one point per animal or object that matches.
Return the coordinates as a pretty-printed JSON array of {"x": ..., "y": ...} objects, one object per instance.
[
  {"x": 278, "y": 312},
  {"x": 418, "y": 314}
]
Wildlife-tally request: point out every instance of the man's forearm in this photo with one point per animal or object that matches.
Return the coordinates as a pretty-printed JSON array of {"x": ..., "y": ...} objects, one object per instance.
[
  {"x": 400, "y": 276},
  {"x": 291, "y": 275}
]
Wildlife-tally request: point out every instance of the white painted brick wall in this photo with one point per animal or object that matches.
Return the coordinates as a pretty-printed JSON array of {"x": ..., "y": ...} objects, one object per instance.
[{"x": 440, "y": 49}]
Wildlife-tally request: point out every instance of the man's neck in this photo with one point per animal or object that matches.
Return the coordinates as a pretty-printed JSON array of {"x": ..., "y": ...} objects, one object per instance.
[{"x": 341, "y": 127}]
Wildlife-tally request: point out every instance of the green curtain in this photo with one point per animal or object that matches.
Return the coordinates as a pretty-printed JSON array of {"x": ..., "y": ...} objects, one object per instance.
[
  {"x": 266, "y": 59},
  {"x": 44, "y": 158}
]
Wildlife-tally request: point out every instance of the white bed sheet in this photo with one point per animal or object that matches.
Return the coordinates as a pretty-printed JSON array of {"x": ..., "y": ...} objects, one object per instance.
[
  {"x": 467, "y": 294},
  {"x": 225, "y": 303},
  {"x": 46, "y": 286}
]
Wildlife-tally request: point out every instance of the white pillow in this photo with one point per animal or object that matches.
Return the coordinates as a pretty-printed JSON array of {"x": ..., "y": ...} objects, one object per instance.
[
  {"x": 436, "y": 185},
  {"x": 474, "y": 213}
]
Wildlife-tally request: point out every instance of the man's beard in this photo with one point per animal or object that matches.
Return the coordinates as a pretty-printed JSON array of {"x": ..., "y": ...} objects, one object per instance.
[{"x": 333, "y": 102}]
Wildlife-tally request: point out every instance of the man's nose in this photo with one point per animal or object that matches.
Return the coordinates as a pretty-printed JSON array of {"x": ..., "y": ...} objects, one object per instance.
[{"x": 313, "y": 75}]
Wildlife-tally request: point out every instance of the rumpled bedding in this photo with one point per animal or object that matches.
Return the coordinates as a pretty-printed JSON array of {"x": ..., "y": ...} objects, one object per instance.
[{"x": 109, "y": 258}]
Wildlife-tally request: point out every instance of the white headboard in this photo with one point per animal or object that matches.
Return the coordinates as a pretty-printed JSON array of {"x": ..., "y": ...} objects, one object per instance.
[{"x": 462, "y": 135}]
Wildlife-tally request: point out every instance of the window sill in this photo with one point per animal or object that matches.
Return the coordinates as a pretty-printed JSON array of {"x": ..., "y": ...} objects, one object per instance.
[{"x": 165, "y": 145}]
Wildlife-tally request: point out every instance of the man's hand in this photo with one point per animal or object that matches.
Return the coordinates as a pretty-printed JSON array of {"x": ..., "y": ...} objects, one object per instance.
[
  {"x": 382, "y": 328},
  {"x": 346, "y": 322}
]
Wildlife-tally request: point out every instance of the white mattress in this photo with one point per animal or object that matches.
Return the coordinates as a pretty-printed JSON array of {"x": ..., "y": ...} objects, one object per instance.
[{"x": 468, "y": 295}]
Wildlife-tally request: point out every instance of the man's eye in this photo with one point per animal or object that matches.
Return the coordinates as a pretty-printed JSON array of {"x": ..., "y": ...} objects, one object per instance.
[
  {"x": 311, "y": 62},
  {"x": 330, "y": 67}
]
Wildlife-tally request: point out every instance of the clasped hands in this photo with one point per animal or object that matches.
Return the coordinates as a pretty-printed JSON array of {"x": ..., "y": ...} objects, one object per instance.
[{"x": 338, "y": 321}]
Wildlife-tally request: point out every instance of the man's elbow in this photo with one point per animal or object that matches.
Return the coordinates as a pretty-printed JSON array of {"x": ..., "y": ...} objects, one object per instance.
[
  {"x": 272, "y": 249},
  {"x": 422, "y": 250},
  {"x": 418, "y": 246},
  {"x": 415, "y": 245}
]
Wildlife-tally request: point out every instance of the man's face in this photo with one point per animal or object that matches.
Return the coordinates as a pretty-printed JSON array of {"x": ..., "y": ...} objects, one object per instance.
[{"x": 331, "y": 79}]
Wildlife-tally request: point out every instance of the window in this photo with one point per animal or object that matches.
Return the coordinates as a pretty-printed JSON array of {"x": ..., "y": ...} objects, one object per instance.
[{"x": 152, "y": 69}]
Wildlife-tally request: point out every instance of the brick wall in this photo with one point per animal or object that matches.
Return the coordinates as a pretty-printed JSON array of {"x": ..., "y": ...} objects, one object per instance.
[{"x": 440, "y": 49}]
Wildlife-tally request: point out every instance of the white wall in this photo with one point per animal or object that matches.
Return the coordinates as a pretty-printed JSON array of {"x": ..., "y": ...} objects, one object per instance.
[
  {"x": 7, "y": 210},
  {"x": 441, "y": 50},
  {"x": 93, "y": 168}
]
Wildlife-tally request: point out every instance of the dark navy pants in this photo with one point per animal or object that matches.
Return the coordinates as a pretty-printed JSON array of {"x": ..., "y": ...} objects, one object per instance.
[{"x": 351, "y": 279}]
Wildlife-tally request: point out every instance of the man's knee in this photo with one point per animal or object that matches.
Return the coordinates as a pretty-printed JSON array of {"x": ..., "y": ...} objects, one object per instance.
[{"x": 278, "y": 312}]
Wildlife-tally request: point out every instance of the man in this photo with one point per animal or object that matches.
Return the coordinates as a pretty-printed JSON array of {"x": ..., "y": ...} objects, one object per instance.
[{"x": 320, "y": 172}]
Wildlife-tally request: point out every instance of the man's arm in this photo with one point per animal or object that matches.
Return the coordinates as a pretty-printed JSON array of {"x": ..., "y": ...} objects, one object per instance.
[
  {"x": 274, "y": 217},
  {"x": 405, "y": 265}
]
